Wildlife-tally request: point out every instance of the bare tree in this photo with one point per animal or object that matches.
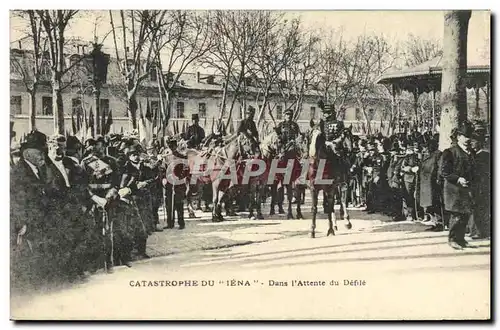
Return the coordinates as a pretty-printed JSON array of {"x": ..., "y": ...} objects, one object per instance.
[
  {"x": 237, "y": 35},
  {"x": 298, "y": 74},
  {"x": 334, "y": 69},
  {"x": 135, "y": 51},
  {"x": 371, "y": 56},
  {"x": 28, "y": 64},
  {"x": 54, "y": 23},
  {"x": 183, "y": 38},
  {"x": 418, "y": 50},
  {"x": 277, "y": 48}
]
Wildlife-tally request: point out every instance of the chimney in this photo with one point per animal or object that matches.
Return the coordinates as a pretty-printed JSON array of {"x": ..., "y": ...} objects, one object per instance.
[
  {"x": 197, "y": 77},
  {"x": 78, "y": 49},
  {"x": 20, "y": 45},
  {"x": 127, "y": 49},
  {"x": 83, "y": 49}
]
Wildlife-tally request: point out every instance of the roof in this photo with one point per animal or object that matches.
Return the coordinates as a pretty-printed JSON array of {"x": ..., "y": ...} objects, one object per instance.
[{"x": 433, "y": 67}]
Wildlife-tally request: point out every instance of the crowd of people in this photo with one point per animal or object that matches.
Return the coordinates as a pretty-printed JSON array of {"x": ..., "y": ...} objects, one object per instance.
[
  {"x": 408, "y": 178},
  {"x": 79, "y": 206}
]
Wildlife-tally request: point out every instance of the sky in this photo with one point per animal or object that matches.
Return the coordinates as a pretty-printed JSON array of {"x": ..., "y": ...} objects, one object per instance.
[{"x": 396, "y": 25}]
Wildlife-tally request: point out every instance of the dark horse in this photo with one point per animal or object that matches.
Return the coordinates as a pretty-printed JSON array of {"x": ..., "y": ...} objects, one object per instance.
[
  {"x": 289, "y": 156},
  {"x": 327, "y": 163}
]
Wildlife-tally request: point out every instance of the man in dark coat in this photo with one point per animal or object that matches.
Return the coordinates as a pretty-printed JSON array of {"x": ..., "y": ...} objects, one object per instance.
[
  {"x": 395, "y": 182},
  {"x": 249, "y": 130},
  {"x": 27, "y": 208},
  {"x": 430, "y": 190},
  {"x": 410, "y": 168},
  {"x": 175, "y": 193},
  {"x": 481, "y": 187},
  {"x": 195, "y": 134},
  {"x": 457, "y": 171}
]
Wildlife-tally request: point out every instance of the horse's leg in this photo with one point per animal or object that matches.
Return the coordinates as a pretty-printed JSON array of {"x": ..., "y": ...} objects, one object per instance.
[
  {"x": 289, "y": 194},
  {"x": 259, "y": 191},
  {"x": 314, "y": 196},
  {"x": 298, "y": 189},
  {"x": 189, "y": 200},
  {"x": 216, "y": 213},
  {"x": 281, "y": 198},
  {"x": 344, "y": 212},
  {"x": 273, "y": 198},
  {"x": 330, "y": 196}
]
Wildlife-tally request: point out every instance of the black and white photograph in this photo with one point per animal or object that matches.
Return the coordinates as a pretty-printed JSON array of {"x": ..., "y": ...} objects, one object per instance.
[{"x": 250, "y": 164}]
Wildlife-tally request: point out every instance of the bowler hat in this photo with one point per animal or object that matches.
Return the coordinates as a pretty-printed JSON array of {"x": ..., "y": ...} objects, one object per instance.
[
  {"x": 35, "y": 140},
  {"x": 73, "y": 143},
  {"x": 466, "y": 129}
]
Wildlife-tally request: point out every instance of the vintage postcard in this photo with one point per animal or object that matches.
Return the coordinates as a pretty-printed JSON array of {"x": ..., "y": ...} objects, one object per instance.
[{"x": 250, "y": 165}]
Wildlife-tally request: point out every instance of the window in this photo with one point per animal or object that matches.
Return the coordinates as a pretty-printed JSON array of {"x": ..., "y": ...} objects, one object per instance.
[
  {"x": 313, "y": 112},
  {"x": 47, "y": 106},
  {"x": 358, "y": 114},
  {"x": 153, "y": 74},
  {"x": 155, "y": 106},
  {"x": 104, "y": 107},
  {"x": 202, "y": 109},
  {"x": 371, "y": 113},
  {"x": 76, "y": 105},
  {"x": 279, "y": 112},
  {"x": 180, "y": 109},
  {"x": 16, "y": 105}
]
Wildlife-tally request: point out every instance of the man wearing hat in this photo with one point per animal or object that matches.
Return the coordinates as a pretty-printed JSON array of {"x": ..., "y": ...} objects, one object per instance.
[
  {"x": 195, "y": 133},
  {"x": 481, "y": 188},
  {"x": 249, "y": 130},
  {"x": 457, "y": 171},
  {"x": 409, "y": 169},
  {"x": 395, "y": 182},
  {"x": 430, "y": 190},
  {"x": 289, "y": 129},
  {"x": 174, "y": 194}
]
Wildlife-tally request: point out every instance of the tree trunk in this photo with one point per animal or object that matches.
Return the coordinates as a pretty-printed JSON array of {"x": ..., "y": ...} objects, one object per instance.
[
  {"x": 57, "y": 104},
  {"x": 32, "y": 113},
  {"x": 97, "y": 111},
  {"x": 132, "y": 107},
  {"x": 453, "y": 90}
]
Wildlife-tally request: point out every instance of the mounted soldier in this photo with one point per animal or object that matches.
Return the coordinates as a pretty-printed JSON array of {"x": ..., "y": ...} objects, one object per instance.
[
  {"x": 248, "y": 129},
  {"x": 289, "y": 131},
  {"x": 195, "y": 134}
]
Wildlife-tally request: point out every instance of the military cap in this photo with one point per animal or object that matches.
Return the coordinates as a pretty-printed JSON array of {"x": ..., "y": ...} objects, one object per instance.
[
  {"x": 100, "y": 138},
  {"x": 90, "y": 142}
]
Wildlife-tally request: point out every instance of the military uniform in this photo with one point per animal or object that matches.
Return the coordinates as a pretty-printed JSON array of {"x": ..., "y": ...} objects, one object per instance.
[
  {"x": 289, "y": 130},
  {"x": 116, "y": 220},
  {"x": 195, "y": 134},
  {"x": 248, "y": 129},
  {"x": 175, "y": 194},
  {"x": 410, "y": 167}
]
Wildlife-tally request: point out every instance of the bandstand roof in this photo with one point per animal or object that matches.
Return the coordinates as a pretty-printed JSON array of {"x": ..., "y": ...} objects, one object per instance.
[{"x": 427, "y": 76}]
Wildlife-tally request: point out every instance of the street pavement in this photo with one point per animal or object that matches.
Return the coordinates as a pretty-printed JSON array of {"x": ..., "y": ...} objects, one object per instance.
[{"x": 260, "y": 270}]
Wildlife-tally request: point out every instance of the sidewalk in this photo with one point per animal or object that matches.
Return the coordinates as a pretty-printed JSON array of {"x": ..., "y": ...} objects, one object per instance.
[{"x": 202, "y": 234}]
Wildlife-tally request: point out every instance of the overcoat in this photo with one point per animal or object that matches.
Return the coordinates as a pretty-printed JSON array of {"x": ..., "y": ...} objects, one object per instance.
[
  {"x": 429, "y": 187},
  {"x": 456, "y": 164}
]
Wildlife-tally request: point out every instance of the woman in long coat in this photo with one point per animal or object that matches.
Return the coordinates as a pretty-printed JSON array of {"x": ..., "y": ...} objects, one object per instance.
[{"x": 430, "y": 190}]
